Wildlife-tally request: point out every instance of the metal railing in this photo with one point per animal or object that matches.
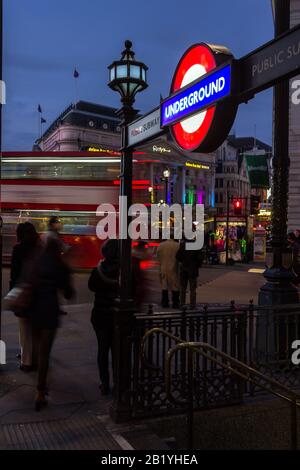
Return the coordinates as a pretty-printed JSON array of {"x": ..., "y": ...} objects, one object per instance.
[
  {"x": 260, "y": 337},
  {"x": 234, "y": 366}
]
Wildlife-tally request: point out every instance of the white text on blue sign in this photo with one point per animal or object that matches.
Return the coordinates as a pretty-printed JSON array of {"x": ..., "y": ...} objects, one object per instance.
[{"x": 203, "y": 94}]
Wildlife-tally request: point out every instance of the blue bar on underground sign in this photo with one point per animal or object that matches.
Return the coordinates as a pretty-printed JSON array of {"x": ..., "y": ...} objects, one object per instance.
[{"x": 204, "y": 93}]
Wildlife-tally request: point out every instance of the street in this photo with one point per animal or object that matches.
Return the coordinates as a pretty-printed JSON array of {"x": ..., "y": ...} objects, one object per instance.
[
  {"x": 216, "y": 284},
  {"x": 75, "y": 404}
]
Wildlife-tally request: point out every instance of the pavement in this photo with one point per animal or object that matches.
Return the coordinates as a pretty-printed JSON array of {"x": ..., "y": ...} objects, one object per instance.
[{"x": 77, "y": 416}]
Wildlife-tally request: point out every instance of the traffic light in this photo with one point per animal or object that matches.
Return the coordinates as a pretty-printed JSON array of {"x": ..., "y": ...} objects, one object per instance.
[
  {"x": 237, "y": 207},
  {"x": 254, "y": 204}
]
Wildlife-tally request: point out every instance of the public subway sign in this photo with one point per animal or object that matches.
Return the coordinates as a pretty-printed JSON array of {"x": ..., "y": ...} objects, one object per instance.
[
  {"x": 197, "y": 96},
  {"x": 270, "y": 63},
  {"x": 144, "y": 128},
  {"x": 199, "y": 111}
]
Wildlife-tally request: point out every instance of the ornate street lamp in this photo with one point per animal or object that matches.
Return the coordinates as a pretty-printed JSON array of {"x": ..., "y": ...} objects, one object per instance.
[{"x": 127, "y": 77}]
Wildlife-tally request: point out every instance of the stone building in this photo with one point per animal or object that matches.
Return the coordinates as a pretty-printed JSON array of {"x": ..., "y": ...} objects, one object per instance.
[{"x": 231, "y": 170}]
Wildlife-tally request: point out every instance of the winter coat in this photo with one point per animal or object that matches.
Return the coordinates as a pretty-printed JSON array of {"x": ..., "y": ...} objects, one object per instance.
[
  {"x": 104, "y": 283},
  {"x": 169, "y": 266},
  {"x": 190, "y": 261},
  {"x": 51, "y": 276},
  {"x": 21, "y": 253}
]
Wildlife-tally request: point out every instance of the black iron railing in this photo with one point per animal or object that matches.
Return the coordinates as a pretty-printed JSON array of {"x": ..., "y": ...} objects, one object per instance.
[{"x": 260, "y": 337}]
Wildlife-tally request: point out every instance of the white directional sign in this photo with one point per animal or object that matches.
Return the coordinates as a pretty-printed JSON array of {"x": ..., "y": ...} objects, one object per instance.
[{"x": 144, "y": 128}]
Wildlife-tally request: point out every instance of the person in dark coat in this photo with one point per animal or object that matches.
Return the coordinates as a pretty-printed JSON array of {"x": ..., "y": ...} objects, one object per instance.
[
  {"x": 190, "y": 262},
  {"x": 23, "y": 256},
  {"x": 54, "y": 227},
  {"x": 104, "y": 282},
  {"x": 51, "y": 276}
]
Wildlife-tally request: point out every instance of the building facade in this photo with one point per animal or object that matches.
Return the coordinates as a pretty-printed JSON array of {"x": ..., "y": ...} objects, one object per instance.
[
  {"x": 231, "y": 178},
  {"x": 96, "y": 128}
]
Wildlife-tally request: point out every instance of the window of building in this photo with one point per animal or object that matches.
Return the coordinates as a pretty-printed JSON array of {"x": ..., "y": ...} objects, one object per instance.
[
  {"x": 216, "y": 198},
  {"x": 221, "y": 182}
]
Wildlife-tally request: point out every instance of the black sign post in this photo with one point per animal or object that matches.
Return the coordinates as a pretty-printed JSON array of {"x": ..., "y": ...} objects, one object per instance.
[{"x": 279, "y": 288}]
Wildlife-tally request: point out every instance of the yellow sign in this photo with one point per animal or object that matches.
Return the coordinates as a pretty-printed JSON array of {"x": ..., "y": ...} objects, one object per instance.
[
  {"x": 199, "y": 166},
  {"x": 101, "y": 150}
]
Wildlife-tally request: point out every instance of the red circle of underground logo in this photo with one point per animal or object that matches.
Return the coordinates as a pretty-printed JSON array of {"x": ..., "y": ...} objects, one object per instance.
[{"x": 206, "y": 130}]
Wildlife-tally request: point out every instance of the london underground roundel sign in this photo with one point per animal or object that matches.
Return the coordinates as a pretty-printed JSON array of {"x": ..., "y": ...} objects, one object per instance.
[{"x": 206, "y": 130}]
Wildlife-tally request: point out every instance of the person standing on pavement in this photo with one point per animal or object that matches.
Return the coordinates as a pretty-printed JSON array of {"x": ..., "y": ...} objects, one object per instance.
[
  {"x": 23, "y": 255},
  {"x": 297, "y": 235},
  {"x": 104, "y": 282},
  {"x": 51, "y": 276},
  {"x": 54, "y": 227},
  {"x": 169, "y": 272},
  {"x": 190, "y": 262}
]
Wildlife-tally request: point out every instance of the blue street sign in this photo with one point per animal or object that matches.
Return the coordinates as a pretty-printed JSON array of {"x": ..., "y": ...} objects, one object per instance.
[{"x": 200, "y": 95}]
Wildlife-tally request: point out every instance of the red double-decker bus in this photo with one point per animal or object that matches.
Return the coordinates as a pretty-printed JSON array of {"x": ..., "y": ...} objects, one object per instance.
[{"x": 37, "y": 185}]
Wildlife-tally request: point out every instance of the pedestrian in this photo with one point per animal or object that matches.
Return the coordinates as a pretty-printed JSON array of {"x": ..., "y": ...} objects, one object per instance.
[
  {"x": 23, "y": 256},
  {"x": 297, "y": 235},
  {"x": 53, "y": 233},
  {"x": 243, "y": 244},
  {"x": 169, "y": 272},
  {"x": 51, "y": 276},
  {"x": 104, "y": 282},
  {"x": 190, "y": 262}
]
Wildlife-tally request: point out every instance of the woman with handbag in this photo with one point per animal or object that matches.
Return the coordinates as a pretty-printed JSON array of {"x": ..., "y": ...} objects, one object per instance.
[
  {"x": 51, "y": 276},
  {"x": 23, "y": 255}
]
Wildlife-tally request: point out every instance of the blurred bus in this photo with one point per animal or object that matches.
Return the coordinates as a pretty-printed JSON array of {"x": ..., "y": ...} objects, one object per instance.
[{"x": 36, "y": 186}]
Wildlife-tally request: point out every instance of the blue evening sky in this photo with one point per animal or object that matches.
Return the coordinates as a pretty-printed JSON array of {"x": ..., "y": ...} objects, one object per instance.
[{"x": 45, "y": 39}]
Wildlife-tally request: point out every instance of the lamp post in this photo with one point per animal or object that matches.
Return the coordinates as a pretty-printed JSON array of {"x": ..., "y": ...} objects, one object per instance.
[
  {"x": 127, "y": 77},
  {"x": 166, "y": 174},
  {"x": 150, "y": 190},
  {"x": 278, "y": 288}
]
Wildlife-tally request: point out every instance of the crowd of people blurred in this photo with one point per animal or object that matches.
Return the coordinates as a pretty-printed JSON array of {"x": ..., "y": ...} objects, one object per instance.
[
  {"x": 239, "y": 249},
  {"x": 40, "y": 271}
]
